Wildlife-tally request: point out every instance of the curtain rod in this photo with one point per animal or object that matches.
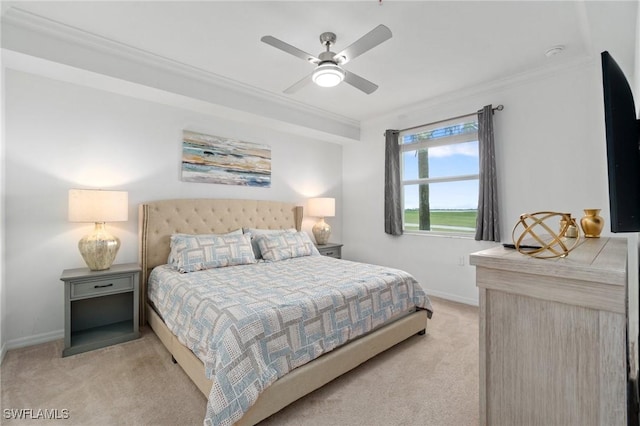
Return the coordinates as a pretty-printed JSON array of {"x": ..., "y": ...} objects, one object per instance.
[{"x": 499, "y": 108}]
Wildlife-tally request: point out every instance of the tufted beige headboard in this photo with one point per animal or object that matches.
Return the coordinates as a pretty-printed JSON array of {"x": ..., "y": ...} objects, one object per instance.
[{"x": 157, "y": 220}]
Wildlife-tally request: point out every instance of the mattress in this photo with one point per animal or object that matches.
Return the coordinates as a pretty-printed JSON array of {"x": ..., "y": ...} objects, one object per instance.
[{"x": 252, "y": 324}]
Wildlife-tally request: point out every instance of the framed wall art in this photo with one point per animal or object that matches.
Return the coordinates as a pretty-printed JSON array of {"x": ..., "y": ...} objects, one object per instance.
[{"x": 215, "y": 159}]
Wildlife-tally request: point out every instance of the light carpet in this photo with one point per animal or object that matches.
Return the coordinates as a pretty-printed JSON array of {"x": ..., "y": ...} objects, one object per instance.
[{"x": 426, "y": 380}]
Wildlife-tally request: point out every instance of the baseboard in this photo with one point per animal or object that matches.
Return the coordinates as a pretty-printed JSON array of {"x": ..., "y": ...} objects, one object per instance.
[
  {"x": 453, "y": 297},
  {"x": 34, "y": 340}
]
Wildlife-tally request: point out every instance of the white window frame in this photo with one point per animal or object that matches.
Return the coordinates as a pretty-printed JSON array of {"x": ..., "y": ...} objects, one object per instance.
[{"x": 443, "y": 141}]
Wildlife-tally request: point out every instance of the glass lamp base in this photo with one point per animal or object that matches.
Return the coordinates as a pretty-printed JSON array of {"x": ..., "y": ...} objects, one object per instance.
[
  {"x": 321, "y": 232},
  {"x": 99, "y": 249}
]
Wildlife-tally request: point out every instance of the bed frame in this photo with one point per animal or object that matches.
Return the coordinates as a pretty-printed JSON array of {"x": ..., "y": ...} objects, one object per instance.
[{"x": 159, "y": 219}]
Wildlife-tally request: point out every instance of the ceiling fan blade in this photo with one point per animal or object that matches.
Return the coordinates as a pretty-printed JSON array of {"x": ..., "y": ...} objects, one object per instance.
[
  {"x": 299, "y": 85},
  {"x": 360, "y": 83},
  {"x": 367, "y": 42},
  {"x": 279, "y": 44}
]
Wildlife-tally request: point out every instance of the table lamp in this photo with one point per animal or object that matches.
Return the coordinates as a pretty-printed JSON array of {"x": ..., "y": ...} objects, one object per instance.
[
  {"x": 322, "y": 207},
  {"x": 99, "y": 248}
]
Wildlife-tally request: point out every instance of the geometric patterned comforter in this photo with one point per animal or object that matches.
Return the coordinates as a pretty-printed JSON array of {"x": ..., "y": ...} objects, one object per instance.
[{"x": 252, "y": 324}]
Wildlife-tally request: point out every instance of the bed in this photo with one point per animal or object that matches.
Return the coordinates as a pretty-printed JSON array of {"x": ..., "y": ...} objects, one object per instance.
[{"x": 159, "y": 220}]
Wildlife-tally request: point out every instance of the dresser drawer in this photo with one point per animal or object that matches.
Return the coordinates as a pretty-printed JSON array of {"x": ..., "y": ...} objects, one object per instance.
[{"x": 102, "y": 286}]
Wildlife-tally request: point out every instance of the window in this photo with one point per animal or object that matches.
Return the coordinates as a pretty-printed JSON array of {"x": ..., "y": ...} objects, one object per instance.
[{"x": 440, "y": 177}]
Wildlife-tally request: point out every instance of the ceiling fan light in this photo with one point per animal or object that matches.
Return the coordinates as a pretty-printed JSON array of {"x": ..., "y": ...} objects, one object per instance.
[{"x": 328, "y": 75}]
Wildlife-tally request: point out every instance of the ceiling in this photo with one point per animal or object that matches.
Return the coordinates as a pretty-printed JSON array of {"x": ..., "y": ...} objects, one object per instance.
[{"x": 437, "y": 47}]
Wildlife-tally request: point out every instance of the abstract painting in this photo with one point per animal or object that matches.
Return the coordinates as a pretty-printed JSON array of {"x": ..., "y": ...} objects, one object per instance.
[{"x": 214, "y": 159}]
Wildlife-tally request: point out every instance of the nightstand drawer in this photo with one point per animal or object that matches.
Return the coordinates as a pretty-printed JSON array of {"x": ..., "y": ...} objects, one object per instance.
[
  {"x": 331, "y": 253},
  {"x": 104, "y": 286},
  {"x": 330, "y": 250}
]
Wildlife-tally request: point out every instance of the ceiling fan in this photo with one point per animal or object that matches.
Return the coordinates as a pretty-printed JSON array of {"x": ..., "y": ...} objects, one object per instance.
[{"x": 329, "y": 71}]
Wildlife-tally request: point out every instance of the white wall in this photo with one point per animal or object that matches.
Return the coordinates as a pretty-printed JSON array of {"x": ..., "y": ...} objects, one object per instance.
[
  {"x": 550, "y": 154},
  {"x": 3, "y": 299},
  {"x": 636, "y": 68},
  {"x": 61, "y": 136}
]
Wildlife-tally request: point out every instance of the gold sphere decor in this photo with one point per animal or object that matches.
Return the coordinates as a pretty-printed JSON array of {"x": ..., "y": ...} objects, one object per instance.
[{"x": 534, "y": 235}]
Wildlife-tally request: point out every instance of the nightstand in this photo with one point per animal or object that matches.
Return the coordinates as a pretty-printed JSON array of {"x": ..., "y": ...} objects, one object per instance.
[
  {"x": 100, "y": 307},
  {"x": 330, "y": 249}
]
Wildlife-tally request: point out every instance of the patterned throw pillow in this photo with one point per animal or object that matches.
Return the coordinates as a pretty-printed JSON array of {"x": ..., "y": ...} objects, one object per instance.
[
  {"x": 285, "y": 245},
  {"x": 191, "y": 253},
  {"x": 172, "y": 260},
  {"x": 254, "y": 232}
]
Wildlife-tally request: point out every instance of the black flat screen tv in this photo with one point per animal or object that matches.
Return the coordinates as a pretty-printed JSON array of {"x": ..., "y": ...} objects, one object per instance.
[{"x": 623, "y": 148}]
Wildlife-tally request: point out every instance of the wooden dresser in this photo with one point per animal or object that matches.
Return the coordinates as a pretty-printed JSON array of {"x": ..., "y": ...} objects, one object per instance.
[{"x": 553, "y": 336}]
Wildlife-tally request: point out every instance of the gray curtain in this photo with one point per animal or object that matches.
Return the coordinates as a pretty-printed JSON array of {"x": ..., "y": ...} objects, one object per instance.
[
  {"x": 487, "y": 222},
  {"x": 392, "y": 184}
]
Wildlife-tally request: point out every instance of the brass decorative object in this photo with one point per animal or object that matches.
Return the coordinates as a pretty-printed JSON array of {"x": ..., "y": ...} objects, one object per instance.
[
  {"x": 592, "y": 223},
  {"x": 571, "y": 228},
  {"x": 534, "y": 236}
]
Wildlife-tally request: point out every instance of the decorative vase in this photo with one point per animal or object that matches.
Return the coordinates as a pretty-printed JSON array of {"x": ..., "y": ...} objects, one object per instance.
[{"x": 592, "y": 223}]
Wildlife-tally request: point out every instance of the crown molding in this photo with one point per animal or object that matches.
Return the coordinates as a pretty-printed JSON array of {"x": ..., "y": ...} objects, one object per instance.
[{"x": 34, "y": 35}]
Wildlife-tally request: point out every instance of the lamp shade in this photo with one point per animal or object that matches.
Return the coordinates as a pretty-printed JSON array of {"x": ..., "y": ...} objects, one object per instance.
[
  {"x": 322, "y": 207},
  {"x": 94, "y": 205}
]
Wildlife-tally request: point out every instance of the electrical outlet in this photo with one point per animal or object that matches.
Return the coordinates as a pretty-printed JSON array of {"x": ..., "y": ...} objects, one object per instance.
[{"x": 461, "y": 261}]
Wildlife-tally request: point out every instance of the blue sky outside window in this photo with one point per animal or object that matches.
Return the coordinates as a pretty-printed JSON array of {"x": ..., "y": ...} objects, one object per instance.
[{"x": 452, "y": 151}]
